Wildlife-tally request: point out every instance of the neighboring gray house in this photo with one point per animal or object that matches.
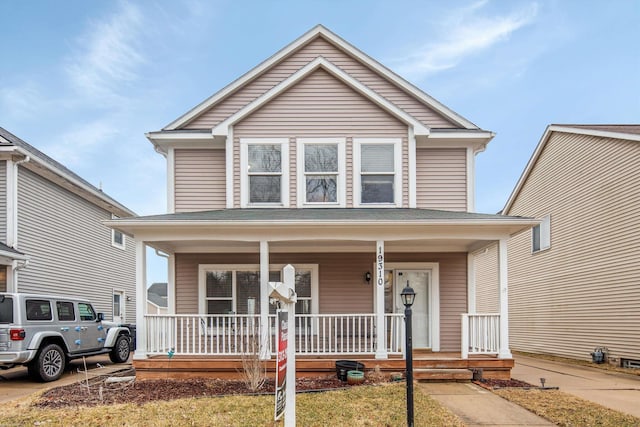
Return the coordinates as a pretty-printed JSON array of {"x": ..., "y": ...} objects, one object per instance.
[
  {"x": 53, "y": 238},
  {"x": 157, "y": 301},
  {"x": 574, "y": 280}
]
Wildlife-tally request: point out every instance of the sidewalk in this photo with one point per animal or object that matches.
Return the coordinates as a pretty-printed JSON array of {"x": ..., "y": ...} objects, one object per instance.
[
  {"x": 479, "y": 407},
  {"x": 611, "y": 389}
]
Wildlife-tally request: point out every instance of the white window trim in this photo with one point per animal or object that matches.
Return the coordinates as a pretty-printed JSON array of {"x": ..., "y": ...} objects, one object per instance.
[
  {"x": 342, "y": 178},
  {"x": 202, "y": 282},
  {"x": 244, "y": 177},
  {"x": 397, "y": 179},
  {"x": 545, "y": 235},
  {"x": 122, "y": 246}
]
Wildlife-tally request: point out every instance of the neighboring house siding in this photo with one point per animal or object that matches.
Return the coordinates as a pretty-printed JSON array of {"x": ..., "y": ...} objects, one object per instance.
[
  {"x": 342, "y": 288},
  {"x": 199, "y": 180},
  {"x": 487, "y": 289},
  {"x": 288, "y": 66},
  {"x": 3, "y": 201},
  {"x": 584, "y": 291},
  {"x": 441, "y": 178},
  {"x": 321, "y": 106},
  {"x": 70, "y": 249}
]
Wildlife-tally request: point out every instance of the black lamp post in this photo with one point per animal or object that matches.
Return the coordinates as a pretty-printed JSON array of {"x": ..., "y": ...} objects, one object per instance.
[{"x": 408, "y": 297}]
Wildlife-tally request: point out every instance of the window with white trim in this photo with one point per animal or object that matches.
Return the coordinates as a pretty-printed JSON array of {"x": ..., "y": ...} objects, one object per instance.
[
  {"x": 321, "y": 177},
  {"x": 226, "y": 289},
  {"x": 117, "y": 237},
  {"x": 265, "y": 165},
  {"x": 541, "y": 235},
  {"x": 377, "y": 172}
]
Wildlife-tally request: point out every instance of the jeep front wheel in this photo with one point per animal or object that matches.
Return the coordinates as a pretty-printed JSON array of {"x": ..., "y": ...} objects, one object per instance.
[
  {"x": 121, "y": 350},
  {"x": 49, "y": 363}
]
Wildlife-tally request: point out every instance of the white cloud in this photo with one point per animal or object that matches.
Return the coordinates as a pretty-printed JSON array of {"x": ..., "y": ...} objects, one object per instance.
[
  {"x": 20, "y": 102},
  {"x": 109, "y": 54},
  {"x": 464, "y": 33},
  {"x": 78, "y": 143}
]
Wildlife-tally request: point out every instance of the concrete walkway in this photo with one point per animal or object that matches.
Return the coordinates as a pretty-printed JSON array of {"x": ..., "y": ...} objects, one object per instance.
[
  {"x": 611, "y": 389},
  {"x": 479, "y": 407}
]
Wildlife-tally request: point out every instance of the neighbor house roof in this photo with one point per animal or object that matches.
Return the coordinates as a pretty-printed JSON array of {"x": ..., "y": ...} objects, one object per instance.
[
  {"x": 10, "y": 253},
  {"x": 157, "y": 294},
  {"x": 321, "y": 31},
  {"x": 629, "y": 132},
  {"x": 62, "y": 175}
]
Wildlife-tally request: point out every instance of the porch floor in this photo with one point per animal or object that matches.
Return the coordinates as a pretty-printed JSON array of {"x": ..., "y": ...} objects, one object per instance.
[{"x": 443, "y": 366}]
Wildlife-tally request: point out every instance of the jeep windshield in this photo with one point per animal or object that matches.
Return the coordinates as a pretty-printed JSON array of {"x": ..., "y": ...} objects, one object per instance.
[{"x": 6, "y": 309}]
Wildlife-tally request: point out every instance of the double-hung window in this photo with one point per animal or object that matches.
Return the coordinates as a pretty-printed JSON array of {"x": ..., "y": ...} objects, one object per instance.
[
  {"x": 265, "y": 165},
  {"x": 541, "y": 235},
  {"x": 377, "y": 172},
  {"x": 321, "y": 176}
]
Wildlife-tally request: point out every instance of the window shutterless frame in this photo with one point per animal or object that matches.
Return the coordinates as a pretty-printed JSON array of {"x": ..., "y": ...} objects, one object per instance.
[
  {"x": 117, "y": 237},
  {"x": 377, "y": 172},
  {"x": 270, "y": 160},
  {"x": 321, "y": 177},
  {"x": 541, "y": 235}
]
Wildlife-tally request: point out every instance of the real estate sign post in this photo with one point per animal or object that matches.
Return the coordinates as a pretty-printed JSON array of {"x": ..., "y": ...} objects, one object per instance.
[{"x": 281, "y": 364}]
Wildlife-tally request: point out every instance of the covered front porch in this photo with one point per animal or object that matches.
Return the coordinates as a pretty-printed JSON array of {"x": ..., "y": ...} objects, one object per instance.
[{"x": 352, "y": 264}]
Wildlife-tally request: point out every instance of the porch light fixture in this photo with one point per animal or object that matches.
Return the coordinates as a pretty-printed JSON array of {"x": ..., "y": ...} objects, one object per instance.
[
  {"x": 408, "y": 296},
  {"x": 367, "y": 277}
]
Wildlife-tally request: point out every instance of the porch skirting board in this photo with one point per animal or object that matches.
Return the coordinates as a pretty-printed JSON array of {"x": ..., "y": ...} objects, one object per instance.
[{"x": 159, "y": 367}]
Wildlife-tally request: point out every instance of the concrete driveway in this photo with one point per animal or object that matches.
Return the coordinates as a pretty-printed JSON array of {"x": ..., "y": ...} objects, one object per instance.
[
  {"x": 611, "y": 389},
  {"x": 15, "y": 383}
]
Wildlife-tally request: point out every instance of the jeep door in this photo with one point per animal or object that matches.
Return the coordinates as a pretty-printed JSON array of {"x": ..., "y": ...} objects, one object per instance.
[
  {"x": 92, "y": 333},
  {"x": 67, "y": 323}
]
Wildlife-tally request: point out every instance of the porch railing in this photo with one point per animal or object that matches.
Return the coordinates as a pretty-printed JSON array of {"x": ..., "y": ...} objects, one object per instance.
[
  {"x": 480, "y": 334},
  {"x": 235, "y": 334}
]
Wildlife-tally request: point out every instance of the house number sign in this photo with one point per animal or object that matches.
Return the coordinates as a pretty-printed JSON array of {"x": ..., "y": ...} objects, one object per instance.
[{"x": 380, "y": 265}]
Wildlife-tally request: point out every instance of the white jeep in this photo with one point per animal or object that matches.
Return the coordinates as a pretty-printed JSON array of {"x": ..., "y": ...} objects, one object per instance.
[{"x": 43, "y": 332}]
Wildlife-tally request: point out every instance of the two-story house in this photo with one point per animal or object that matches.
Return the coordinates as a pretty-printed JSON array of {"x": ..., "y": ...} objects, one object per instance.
[
  {"x": 53, "y": 237},
  {"x": 322, "y": 158}
]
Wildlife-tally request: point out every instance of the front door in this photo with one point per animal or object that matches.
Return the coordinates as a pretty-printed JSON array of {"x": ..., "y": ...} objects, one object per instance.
[{"x": 420, "y": 281}]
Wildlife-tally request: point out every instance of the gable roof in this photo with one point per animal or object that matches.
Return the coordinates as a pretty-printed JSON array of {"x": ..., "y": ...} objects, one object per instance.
[
  {"x": 321, "y": 62},
  {"x": 628, "y": 132},
  {"x": 61, "y": 175},
  {"x": 321, "y": 31}
]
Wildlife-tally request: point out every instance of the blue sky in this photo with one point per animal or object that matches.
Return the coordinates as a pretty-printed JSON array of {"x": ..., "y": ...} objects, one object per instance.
[{"x": 83, "y": 81}]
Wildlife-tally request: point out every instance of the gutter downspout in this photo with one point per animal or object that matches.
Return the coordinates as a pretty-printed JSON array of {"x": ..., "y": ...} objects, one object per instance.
[
  {"x": 12, "y": 219},
  {"x": 171, "y": 286}
]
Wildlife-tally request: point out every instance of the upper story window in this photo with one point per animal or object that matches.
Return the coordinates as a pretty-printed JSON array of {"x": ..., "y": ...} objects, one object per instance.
[
  {"x": 321, "y": 175},
  {"x": 117, "y": 238},
  {"x": 265, "y": 166},
  {"x": 377, "y": 168},
  {"x": 541, "y": 235}
]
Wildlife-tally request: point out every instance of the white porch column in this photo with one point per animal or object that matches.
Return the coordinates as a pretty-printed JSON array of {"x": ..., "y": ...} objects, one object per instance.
[
  {"x": 504, "y": 353},
  {"x": 381, "y": 329},
  {"x": 141, "y": 301},
  {"x": 471, "y": 283},
  {"x": 264, "y": 300},
  {"x": 171, "y": 284}
]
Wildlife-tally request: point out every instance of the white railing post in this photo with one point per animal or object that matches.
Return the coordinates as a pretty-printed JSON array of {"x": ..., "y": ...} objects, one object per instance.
[{"x": 464, "y": 350}]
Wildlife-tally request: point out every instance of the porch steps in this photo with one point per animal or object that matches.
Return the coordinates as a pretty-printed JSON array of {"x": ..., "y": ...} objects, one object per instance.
[{"x": 442, "y": 375}]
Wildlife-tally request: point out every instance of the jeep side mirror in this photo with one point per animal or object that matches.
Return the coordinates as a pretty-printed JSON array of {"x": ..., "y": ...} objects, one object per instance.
[{"x": 100, "y": 317}]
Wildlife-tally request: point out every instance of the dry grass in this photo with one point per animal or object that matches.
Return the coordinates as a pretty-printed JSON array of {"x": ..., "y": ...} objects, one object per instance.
[
  {"x": 359, "y": 406},
  {"x": 566, "y": 410}
]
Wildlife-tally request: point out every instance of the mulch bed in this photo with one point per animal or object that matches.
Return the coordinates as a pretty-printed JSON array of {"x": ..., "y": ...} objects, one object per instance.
[{"x": 98, "y": 392}]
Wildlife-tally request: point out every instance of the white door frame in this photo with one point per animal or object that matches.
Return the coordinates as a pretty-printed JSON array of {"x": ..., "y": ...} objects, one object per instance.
[
  {"x": 434, "y": 290},
  {"x": 123, "y": 302}
]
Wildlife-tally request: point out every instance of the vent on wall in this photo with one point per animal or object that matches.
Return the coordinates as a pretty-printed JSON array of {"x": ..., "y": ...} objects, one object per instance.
[{"x": 630, "y": 363}]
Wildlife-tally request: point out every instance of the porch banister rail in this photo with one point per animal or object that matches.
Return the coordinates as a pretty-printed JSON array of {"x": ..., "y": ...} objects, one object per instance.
[
  {"x": 235, "y": 334},
  {"x": 480, "y": 334}
]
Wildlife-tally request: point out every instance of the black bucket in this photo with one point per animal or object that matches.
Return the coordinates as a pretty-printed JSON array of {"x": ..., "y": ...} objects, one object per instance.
[{"x": 344, "y": 366}]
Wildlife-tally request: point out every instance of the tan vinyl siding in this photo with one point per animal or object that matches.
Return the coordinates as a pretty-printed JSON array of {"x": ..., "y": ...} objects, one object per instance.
[
  {"x": 342, "y": 288},
  {"x": 441, "y": 178},
  {"x": 288, "y": 66},
  {"x": 3, "y": 201},
  {"x": 320, "y": 106},
  {"x": 70, "y": 249},
  {"x": 584, "y": 291},
  {"x": 199, "y": 180},
  {"x": 487, "y": 289}
]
